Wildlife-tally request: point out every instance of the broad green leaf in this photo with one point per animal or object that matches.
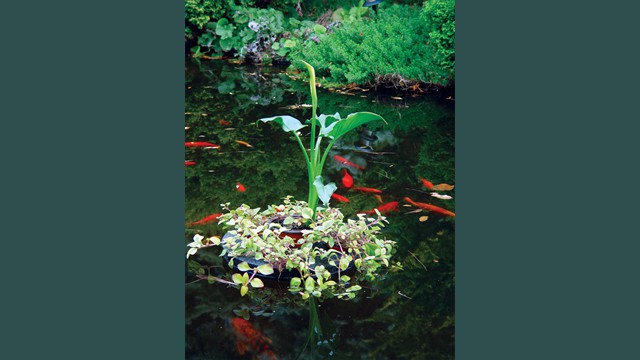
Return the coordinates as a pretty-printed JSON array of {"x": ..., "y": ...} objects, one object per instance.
[
  {"x": 351, "y": 122},
  {"x": 237, "y": 278},
  {"x": 289, "y": 43},
  {"x": 288, "y": 123},
  {"x": 307, "y": 212},
  {"x": 282, "y": 52},
  {"x": 287, "y": 221},
  {"x": 306, "y": 248},
  {"x": 243, "y": 266},
  {"x": 257, "y": 283},
  {"x": 224, "y": 29},
  {"x": 344, "y": 263},
  {"x": 265, "y": 269},
  {"x": 245, "y": 278},
  {"x": 243, "y": 290},
  {"x": 295, "y": 283},
  {"x": 370, "y": 249},
  {"x": 309, "y": 284},
  {"x": 324, "y": 191},
  {"x": 226, "y": 44},
  {"x": 319, "y": 29},
  {"x": 327, "y": 122}
]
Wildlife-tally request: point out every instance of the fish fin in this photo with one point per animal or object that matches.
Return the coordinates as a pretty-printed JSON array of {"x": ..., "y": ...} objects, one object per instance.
[{"x": 241, "y": 347}]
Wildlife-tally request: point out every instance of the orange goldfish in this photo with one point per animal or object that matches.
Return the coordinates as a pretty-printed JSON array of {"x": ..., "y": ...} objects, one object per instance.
[
  {"x": 244, "y": 143},
  {"x": 206, "y": 219},
  {"x": 339, "y": 198},
  {"x": 344, "y": 161},
  {"x": 369, "y": 190},
  {"x": 347, "y": 180},
  {"x": 224, "y": 122},
  {"x": 442, "y": 187},
  {"x": 189, "y": 163},
  {"x": 240, "y": 187},
  {"x": 385, "y": 208},
  {"x": 426, "y": 183},
  {"x": 249, "y": 339},
  {"x": 430, "y": 207},
  {"x": 200, "y": 144}
]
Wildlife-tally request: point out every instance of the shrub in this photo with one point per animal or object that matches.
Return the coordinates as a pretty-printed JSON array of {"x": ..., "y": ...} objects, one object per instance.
[
  {"x": 440, "y": 17},
  {"x": 392, "y": 47}
]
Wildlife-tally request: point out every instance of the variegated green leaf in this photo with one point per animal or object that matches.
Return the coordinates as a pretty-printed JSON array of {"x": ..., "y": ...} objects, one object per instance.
[
  {"x": 324, "y": 191},
  {"x": 288, "y": 123},
  {"x": 243, "y": 266},
  {"x": 265, "y": 269},
  {"x": 257, "y": 283}
]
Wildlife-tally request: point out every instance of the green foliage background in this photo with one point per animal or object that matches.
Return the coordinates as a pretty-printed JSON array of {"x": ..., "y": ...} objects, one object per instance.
[{"x": 401, "y": 44}]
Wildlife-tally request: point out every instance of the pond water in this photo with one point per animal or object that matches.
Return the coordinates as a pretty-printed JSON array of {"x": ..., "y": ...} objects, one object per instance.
[{"x": 406, "y": 314}]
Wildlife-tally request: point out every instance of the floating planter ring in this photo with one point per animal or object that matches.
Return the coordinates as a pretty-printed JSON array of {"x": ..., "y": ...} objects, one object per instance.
[{"x": 284, "y": 275}]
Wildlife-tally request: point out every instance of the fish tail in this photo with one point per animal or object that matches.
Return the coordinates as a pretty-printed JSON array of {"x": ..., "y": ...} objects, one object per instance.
[{"x": 407, "y": 199}]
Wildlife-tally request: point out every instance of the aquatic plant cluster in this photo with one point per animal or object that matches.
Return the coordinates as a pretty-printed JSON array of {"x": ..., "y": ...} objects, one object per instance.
[
  {"x": 399, "y": 44},
  {"x": 329, "y": 246}
]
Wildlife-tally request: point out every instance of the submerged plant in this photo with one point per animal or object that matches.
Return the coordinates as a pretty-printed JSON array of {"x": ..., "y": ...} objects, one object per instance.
[{"x": 331, "y": 127}]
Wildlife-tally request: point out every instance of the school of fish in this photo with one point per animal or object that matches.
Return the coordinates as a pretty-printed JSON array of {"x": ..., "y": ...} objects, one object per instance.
[{"x": 348, "y": 183}]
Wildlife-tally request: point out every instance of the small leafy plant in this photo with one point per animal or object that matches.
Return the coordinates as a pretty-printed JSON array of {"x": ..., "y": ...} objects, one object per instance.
[
  {"x": 329, "y": 249},
  {"x": 331, "y": 127}
]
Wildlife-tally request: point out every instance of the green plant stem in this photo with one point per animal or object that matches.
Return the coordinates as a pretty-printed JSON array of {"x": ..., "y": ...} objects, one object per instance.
[
  {"x": 313, "y": 152},
  {"x": 310, "y": 171},
  {"x": 326, "y": 152}
]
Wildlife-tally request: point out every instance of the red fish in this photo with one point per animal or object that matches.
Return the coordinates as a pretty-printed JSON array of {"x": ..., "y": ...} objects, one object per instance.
[
  {"x": 426, "y": 183},
  {"x": 344, "y": 161},
  {"x": 339, "y": 198},
  {"x": 369, "y": 190},
  {"x": 249, "y": 339},
  {"x": 224, "y": 122},
  {"x": 189, "y": 163},
  {"x": 347, "y": 180},
  {"x": 240, "y": 187},
  {"x": 430, "y": 207},
  {"x": 207, "y": 219},
  {"x": 385, "y": 208},
  {"x": 200, "y": 144}
]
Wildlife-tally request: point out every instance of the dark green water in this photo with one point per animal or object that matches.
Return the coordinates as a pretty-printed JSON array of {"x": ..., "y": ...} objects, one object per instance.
[{"x": 406, "y": 314}]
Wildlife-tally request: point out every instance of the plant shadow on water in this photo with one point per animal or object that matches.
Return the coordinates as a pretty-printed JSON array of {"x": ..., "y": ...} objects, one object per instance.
[{"x": 405, "y": 314}]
